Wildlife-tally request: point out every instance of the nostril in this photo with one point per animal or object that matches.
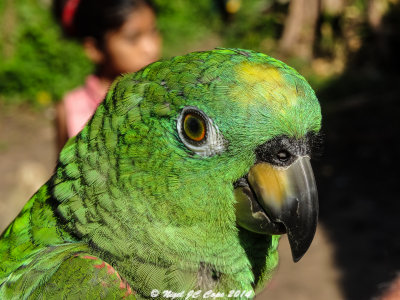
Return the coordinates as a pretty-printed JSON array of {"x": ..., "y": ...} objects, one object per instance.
[{"x": 283, "y": 155}]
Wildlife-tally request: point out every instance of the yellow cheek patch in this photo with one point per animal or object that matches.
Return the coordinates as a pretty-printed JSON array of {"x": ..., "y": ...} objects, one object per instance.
[
  {"x": 268, "y": 82},
  {"x": 269, "y": 183}
]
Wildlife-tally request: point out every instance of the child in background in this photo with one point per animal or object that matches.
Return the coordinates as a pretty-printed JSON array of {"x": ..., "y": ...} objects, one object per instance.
[{"x": 119, "y": 36}]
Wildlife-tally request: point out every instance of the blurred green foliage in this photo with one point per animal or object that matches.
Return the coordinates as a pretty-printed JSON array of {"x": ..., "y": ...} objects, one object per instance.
[
  {"x": 188, "y": 25},
  {"x": 256, "y": 25},
  {"x": 185, "y": 24},
  {"x": 37, "y": 65}
]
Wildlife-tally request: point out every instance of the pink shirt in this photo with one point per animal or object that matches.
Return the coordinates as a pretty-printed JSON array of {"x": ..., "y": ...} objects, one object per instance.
[{"x": 81, "y": 103}]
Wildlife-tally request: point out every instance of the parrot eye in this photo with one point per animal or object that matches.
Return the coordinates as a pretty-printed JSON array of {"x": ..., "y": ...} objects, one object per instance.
[
  {"x": 194, "y": 127},
  {"x": 198, "y": 132}
]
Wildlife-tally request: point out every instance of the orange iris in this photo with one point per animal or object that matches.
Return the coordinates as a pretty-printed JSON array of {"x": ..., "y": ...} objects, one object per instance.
[{"x": 194, "y": 127}]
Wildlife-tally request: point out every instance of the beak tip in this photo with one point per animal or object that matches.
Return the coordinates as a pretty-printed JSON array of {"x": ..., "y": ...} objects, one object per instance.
[
  {"x": 296, "y": 258},
  {"x": 298, "y": 246}
]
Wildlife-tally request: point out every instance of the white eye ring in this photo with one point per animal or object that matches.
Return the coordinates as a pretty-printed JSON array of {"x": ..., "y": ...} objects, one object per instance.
[{"x": 211, "y": 144}]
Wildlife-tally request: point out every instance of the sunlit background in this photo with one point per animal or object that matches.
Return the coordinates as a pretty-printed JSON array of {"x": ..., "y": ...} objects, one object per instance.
[{"x": 347, "y": 49}]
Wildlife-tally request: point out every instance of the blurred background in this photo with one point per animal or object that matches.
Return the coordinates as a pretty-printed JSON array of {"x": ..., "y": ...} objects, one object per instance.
[{"x": 347, "y": 49}]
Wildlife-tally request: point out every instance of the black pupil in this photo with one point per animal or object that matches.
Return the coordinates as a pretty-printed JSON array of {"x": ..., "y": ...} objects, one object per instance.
[{"x": 194, "y": 126}]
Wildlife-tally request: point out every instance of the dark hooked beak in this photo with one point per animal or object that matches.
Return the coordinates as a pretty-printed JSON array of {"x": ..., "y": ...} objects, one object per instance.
[{"x": 274, "y": 200}]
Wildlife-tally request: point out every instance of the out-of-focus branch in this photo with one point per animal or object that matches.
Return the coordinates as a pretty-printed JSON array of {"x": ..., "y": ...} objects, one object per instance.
[
  {"x": 300, "y": 26},
  {"x": 375, "y": 13}
]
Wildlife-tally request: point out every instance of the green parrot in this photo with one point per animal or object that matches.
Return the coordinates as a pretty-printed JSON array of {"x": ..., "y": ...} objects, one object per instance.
[{"x": 178, "y": 187}]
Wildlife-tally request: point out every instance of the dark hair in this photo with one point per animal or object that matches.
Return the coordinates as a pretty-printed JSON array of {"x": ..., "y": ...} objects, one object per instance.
[{"x": 94, "y": 18}]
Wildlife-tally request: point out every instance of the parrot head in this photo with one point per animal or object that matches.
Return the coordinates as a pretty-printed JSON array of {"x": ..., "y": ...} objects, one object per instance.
[{"x": 198, "y": 146}]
